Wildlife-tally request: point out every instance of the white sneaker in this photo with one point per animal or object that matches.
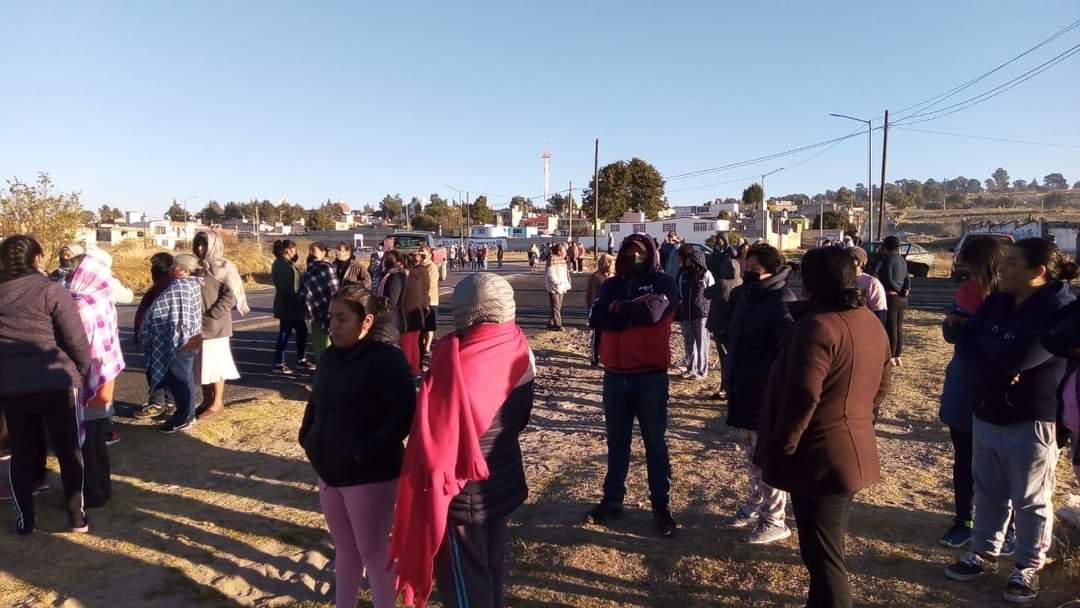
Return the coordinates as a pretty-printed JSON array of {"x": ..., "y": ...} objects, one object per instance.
[
  {"x": 766, "y": 533},
  {"x": 745, "y": 517}
]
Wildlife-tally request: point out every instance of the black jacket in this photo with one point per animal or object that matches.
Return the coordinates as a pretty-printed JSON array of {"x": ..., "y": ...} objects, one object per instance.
[
  {"x": 760, "y": 320},
  {"x": 692, "y": 302},
  {"x": 1003, "y": 342},
  {"x": 360, "y": 411},
  {"x": 1063, "y": 340},
  {"x": 287, "y": 303},
  {"x": 727, "y": 274},
  {"x": 505, "y": 488}
]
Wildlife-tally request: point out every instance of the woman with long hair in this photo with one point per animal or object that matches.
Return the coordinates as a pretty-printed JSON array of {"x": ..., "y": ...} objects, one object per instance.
[
  {"x": 892, "y": 271},
  {"x": 816, "y": 437},
  {"x": 1013, "y": 381},
  {"x": 557, "y": 283},
  {"x": 45, "y": 356},
  {"x": 463, "y": 475},
  {"x": 605, "y": 269},
  {"x": 289, "y": 308},
  {"x": 407, "y": 300},
  {"x": 360, "y": 411},
  {"x": 317, "y": 288},
  {"x": 982, "y": 259}
]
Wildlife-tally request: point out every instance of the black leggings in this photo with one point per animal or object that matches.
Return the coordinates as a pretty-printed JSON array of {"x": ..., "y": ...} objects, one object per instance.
[
  {"x": 962, "y": 478},
  {"x": 894, "y": 323}
]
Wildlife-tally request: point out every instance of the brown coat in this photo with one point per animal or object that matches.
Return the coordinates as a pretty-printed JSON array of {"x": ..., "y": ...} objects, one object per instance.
[{"x": 825, "y": 384}]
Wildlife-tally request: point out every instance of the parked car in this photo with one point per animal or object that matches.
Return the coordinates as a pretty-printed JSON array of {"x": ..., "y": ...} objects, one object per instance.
[
  {"x": 919, "y": 260},
  {"x": 958, "y": 274}
]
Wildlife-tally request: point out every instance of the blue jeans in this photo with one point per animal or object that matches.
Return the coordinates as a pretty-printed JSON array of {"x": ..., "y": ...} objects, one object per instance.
[
  {"x": 180, "y": 381},
  {"x": 645, "y": 397},
  {"x": 696, "y": 346},
  {"x": 285, "y": 329}
]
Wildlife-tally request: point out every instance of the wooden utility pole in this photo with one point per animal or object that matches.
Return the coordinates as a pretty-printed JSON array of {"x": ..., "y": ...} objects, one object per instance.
[
  {"x": 570, "y": 222},
  {"x": 884, "y": 155},
  {"x": 596, "y": 200}
]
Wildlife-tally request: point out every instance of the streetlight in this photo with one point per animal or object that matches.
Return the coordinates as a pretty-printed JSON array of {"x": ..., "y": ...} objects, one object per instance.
[
  {"x": 869, "y": 173},
  {"x": 183, "y": 204},
  {"x": 764, "y": 205}
]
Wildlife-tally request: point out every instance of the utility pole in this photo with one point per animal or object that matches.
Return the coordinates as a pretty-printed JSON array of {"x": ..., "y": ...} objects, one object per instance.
[
  {"x": 821, "y": 221},
  {"x": 570, "y": 222},
  {"x": 256, "y": 222},
  {"x": 468, "y": 216},
  {"x": 884, "y": 156},
  {"x": 596, "y": 199}
]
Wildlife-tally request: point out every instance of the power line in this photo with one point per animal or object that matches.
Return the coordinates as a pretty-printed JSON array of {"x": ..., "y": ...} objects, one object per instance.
[
  {"x": 983, "y": 137},
  {"x": 992, "y": 93},
  {"x": 933, "y": 101}
]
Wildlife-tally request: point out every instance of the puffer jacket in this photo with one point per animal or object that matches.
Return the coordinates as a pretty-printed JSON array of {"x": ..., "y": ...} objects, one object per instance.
[
  {"x": 43, "y": 347},
  {"x": 760, "y": 320},
  {"x": 505, "y": 488},
  {"x": 361, "y": 409}
]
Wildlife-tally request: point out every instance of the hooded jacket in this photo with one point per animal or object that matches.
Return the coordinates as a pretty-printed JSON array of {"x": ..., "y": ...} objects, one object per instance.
[
  {"x": 728, "y": 275},
  {"x": 43, "y": 347},
  {"x": 759, "y": 322},
  {"x": 635, "y": 314},
  {"x": 287, "y": 303},
  {"x": 692, "y": 280},
  {"x": 361, "y": 408},
  {"x": 224, "y": 270},
  {"x": 1002, "y": 344}
]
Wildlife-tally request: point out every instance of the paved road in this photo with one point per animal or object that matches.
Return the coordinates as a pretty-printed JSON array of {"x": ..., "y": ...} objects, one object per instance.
[{"x": 254, "y": 336}]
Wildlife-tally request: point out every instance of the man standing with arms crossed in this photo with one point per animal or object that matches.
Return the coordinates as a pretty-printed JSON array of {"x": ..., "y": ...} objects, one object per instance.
[{"x": 634, "y": 310}]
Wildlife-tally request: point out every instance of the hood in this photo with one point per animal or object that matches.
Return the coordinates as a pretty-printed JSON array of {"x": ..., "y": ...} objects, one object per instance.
[
  {"x": 92, "y": 277},
  {"x": 698, "y": 257},
  {"x": 774, "y": 283},
  {"x": 650, "y": 250},
  {"x": 1052, "y": 296},
  {"x": 215, "y": 245}
]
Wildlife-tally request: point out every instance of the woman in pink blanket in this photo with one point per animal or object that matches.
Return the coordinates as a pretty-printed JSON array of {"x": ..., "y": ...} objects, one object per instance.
[{"x": 463, "y": 473}]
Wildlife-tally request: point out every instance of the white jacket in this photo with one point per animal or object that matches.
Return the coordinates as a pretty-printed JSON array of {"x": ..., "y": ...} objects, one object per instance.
[{"x": 557, "y": 279}]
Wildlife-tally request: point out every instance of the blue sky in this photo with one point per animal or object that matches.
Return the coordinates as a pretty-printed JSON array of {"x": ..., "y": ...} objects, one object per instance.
[{"x": 134, "y": 103}]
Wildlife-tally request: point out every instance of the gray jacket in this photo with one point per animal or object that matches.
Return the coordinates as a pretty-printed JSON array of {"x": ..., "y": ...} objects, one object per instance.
[
  {"x": 43, "y": 346},
  {"x": 218, "y": 302}
]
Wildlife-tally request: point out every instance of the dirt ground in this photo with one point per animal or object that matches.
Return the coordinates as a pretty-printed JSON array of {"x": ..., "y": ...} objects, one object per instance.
[{"x": 229, "y": 515}]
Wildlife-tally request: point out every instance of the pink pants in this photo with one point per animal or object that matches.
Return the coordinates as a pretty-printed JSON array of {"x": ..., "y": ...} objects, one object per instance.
[{"x": 360, "y": 518}]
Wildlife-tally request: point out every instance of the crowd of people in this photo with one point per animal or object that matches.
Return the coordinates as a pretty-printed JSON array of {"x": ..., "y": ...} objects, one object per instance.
[{"x": 415, "y": 442}]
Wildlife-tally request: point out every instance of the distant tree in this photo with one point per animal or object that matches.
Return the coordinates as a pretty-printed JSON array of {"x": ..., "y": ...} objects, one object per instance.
[
  {"x": 211, "y": 213},
  {"x": 368, "y": 209},
  {"x": 860, "y": 192},
  {"x": 990, "y": 185},
  {"x": 627, "y": 186},
  {"x": 974, "y": 186},
  {"x": 1001, "y": 179},
  {"x": 177, "y": 213},
  {"x": 38, "y": 210},
  {"x": 1033, "y": 185},
  {"x": 1055, "y": 181},
  {"x": 932, "y": 193},
  {"x": 1076, "y": 186},
  {"x": 289, "y": 213},
  {"x": 391, "y": 207},
  {"x": 323, "y": 218},
  {"x": 833, "y": 221},
  {"x": 522, "y": 203},
  {"x": 844, "y": 195},
  {"x": 733, "y": 201},
  {"x": 109, "y": 214},
  {"x": 1019, "y": 185},
  {"x": 425, "y": 222},
  {"x": 233, "y": 211},
  {"x": 556, "y": 204},
  {"x": 956, "y": 201},
  {"x": 480, "y": 212},
  {"x": 753, "y": 195}
]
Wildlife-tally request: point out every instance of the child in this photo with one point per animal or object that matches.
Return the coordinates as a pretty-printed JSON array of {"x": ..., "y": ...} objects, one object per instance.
[{"x": 360, "y": 411}]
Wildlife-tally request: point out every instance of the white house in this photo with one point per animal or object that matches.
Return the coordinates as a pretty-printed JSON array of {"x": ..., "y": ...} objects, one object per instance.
[
  {"x": 488, "y": 231},
  {"x": 710, "y": 209},
  {"x": 693, "y": 229}
]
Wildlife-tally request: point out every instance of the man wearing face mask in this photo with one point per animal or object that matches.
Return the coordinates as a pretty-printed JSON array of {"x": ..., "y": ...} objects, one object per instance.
[
  {"x": 634, "y": 311},
  {"x": 759, "y": 322}
]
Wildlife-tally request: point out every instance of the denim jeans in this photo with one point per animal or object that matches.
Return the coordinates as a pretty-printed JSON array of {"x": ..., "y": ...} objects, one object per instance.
[
  {"x": 644, "y": 397},
  {"x": 180, "y": 381},
  {"x": 696, "y": 345},
  {"x": 285, "y": 329}
]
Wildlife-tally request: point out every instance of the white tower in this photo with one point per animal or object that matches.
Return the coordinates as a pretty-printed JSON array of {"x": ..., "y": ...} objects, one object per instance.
[{"x": 547, "y": 174}]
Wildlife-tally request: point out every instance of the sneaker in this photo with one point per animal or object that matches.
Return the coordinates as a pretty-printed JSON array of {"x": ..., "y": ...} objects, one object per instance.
[
  {"x": 1023, "y": 586},
  {"x": 971, "y": 566},
  {"x": 665, "y": 523},
  {"x": 169, "y": 428},
  {"x": 765, "y": 533},
  {"x": 113, "y": 438},
  {"x": 603, "y": 513},
  {"x": 958, "y": 535},
  {"x": 80, "y": 524},
  {"x": 745, "y": 517},
  {"x": 1008, "y": 547},
  {"x": 5, "y": 456},
  {"x": 283, "y": 370},
  {"x": 41, "y": 486},
  {"x": 718, "y": 396},
  {"x": 148, "y": 411},
  {"x": 305, "y": 364}
]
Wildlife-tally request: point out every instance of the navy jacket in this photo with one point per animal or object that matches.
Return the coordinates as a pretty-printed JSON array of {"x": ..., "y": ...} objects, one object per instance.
[
  {"x": 1002, "y": 342},
  {"x": 893, "y": 273},
  {"x": 760, "y": 321},
  {"x": 692, "y": 302}
]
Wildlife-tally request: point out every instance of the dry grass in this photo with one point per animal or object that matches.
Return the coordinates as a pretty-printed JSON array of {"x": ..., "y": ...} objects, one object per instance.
[
  {"x": 228, "y": 515},
  {"x": 131, "y": 262}
]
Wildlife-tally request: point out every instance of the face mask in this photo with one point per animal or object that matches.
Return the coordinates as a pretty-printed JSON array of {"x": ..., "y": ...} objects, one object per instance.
[{"x": 751, "y": 277}]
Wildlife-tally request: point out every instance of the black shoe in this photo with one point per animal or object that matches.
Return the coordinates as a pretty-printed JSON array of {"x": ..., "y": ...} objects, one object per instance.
[
  {"x": 169, "y": 428},
  {"x": 971, "y": 566},
  {"x": 305, "y": 364},
  {"x": 113, "y": 438},
  {"x": 718, "y": 396},
  {"x": 665, "y": 523},
  {"x": 1023, "y": 586},
  {"x": 603, "y": 513}
]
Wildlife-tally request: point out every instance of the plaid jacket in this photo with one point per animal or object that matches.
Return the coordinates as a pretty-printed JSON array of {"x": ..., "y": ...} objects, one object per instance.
[
  {"x": 317, "y": 287},
  {"x": 172, "y": 321}
]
